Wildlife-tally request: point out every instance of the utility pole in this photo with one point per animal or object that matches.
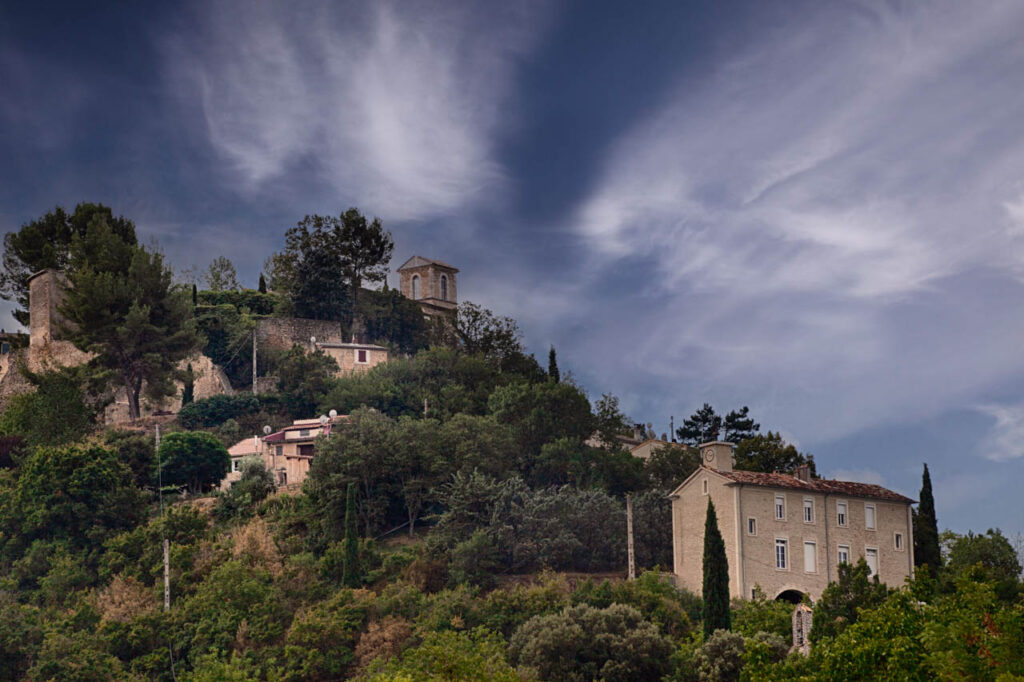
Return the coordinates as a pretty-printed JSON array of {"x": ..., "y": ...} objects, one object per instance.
[
  {"x": 629, "y": 536},
  {"x": 254, "y": 361},
  {"x": 163, "y": 526}
]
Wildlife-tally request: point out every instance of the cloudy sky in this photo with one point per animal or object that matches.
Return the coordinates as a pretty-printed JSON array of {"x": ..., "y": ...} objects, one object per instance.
[{"x": 814, "y": 209}]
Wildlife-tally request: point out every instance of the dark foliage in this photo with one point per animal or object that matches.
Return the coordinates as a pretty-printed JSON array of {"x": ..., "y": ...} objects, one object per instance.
[
  {"x": 926, "y": 528},
  {"x": 715, "y": 593},
  {"x": 217, "y": 409}
]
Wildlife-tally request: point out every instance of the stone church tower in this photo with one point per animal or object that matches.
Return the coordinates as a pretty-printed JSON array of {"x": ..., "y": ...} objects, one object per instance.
[{"x": 431, "y": 283}]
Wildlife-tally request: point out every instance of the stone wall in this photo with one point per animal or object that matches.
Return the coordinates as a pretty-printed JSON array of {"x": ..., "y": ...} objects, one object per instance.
[{"x": 281, "y": 333}]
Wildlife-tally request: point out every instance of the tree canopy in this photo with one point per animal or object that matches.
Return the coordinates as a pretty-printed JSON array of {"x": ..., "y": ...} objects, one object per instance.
[
  {"x": 221, "y": 275},
  {"x": 706, "y": 425},
  {"x": 768, "y": 453},
  {"x": 194, "y": 459}
]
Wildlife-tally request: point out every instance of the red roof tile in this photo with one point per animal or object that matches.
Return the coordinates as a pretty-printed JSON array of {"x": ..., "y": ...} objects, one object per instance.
[{"x": 816, "y": 485}]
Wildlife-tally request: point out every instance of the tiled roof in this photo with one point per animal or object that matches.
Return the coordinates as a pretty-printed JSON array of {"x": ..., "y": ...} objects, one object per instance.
[
  {"x": 246, "y": 446},
  {"x": 816, "y": 485},
  {"x": 419, "y": 261}
]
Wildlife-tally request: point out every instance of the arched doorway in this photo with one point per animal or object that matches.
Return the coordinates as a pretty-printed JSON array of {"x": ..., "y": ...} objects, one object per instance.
[{"x": 792, "y": 596}]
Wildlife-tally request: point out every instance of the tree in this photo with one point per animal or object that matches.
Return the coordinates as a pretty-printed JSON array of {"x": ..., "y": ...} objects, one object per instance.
[
  {"x": 702, "y": 426},
  {"x": 926, "y": 528},
  {"x": 841, "y": 601},
  {"x": 986, "y": 556},
  {"x": 586, "y": 643},
  {"x": 553, "y": 374},
  {"x": 610, "y": 422},
  {"x": 78, "y": 493},
  {"x": 365, "y": 253},
  {"x": 739, "y": 426},
  {"x": 254, "y": 486},
  {"x": 350, "y": 576},
  {"x": 768, "y": 453},
  {"x": 671, "y": 464},
  {"x": 122, "y": 306},
  {"x": 716, "y": 615},
  {"x": 479, "y": 331},
  {"x": 454, "y": 657},
  {"x": 221, "y": 275},
  {"x": 304, "y": 379},
  {"x": 188, "y": 392},
  {"x": 193, "y": 458},
  {"x": 308, "y": 271},
  {"x": 60, "y": 409},
  {"x": 263, "y": 284},
  {"x": 46, "y": 243}
]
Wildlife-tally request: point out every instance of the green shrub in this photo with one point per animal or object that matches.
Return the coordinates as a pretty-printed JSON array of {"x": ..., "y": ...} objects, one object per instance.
[{"x": 216, "y": 410}]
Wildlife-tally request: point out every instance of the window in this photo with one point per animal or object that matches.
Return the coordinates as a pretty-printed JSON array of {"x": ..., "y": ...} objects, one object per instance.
[
  {"x": 306, "y": 450},
  {"x": 705, "y": 486},
  {"x": 415, "y": 287},
  {"x": 844, "y": 554},
  {"x": 780, "y": 554},
  {"x": 279, "y": 450},
  {"x": 810, "y": 557},
  {"x": 234, "y": 465},
  {"x": 751, "y": 526},
  {"x": 780, "y": 507},
  {"x": 808, "y": 510},
  {"x": 897, "y": 541},
  {"x": 444, "y": 288},
  {"x": 869, "y": 516},
  {"x": 840, "y": 513},
  {"x": 871, "y": 557},
  {"x": 361, "y": 356},
  {"x": 304, "y": 433}
]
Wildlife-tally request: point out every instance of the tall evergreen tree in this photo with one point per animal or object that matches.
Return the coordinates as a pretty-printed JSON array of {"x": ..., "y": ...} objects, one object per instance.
[
  {"x": 263, "y": 284},
  {"x": 350, "y": 576},
  {"x": 716, "y": 577},
  {"x": 188, "y": 392},
  {"x": 739, "y": 426},
  {"x": 926, "y": 528},
  {"x": 553, "y": 374},
  {"x": 195, "y": 296}
]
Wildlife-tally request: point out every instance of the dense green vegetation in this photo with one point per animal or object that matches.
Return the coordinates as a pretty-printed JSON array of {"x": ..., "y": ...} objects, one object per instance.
[{"x": 465, "y": 522}]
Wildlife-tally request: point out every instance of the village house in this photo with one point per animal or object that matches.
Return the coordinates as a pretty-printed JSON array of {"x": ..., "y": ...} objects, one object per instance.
[
  {"x": 287, "y": 453},
  {"x": 787, "y": 534}
]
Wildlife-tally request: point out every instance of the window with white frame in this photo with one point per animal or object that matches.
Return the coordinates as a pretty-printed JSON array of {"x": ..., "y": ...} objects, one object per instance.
[
  {"x": 751, "y": 526},
  {"x": 897, "y": 541},
  {"x": 361, "y": 356},
  {"x": 808, "y": 510},
  {"x": 871, "y": 557},
  {"x": 869, "y": 516},
  {"x": 781, "y": 558},
  {"x": 840, "y": 513},
  {"x": 844, "y": 554},
  {"x": 780, "y": 507},
  {"x": 810, "y": 557},
  {"x": 234, "y": 464}
]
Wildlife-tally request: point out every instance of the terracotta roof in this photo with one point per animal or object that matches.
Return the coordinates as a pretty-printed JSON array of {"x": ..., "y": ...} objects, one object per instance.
[
  {"x": 419, "y": 261},
  {"x": 817, "y": 485},
  {"x": 246, "y": 446}
]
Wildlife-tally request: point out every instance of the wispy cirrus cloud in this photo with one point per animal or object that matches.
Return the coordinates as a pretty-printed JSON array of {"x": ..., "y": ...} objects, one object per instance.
[
  {"x": 394, "y": 106},
  {"x": 833, "y": 209}
]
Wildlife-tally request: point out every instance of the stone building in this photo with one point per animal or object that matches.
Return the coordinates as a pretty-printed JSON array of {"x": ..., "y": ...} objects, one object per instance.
[
  {"x": 431, "y": 283},
  {"x": 288, "y": 453},
  {"x": 787, "y": 534}
]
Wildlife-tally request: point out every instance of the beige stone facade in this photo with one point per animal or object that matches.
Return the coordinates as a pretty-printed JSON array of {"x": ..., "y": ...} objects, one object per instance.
[
  {"x": 354, "y": 358},
  {"x": 431, "y": 283},
  {"x": 287, "y": 453},
  {"x": 787, "y": 534}
]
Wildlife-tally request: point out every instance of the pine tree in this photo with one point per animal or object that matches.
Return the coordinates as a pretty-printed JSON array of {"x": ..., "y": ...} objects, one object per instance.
[
  {"x": 188, "y": 393},
  {"x": 716, "y": 577},
  {"x": 263, "y": 284},
  {"x": 926, "y": 528},
  {"x": 553, "y": 374},
  {"x": 703, "y": 425},
  {"x": 350, "y": 576}
]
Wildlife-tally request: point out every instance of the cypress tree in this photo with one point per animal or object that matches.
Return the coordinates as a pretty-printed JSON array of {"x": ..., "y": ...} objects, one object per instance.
[
  {"x": 350, "y": 549},
  {"x": 263, "y": 284},
  {"x": 716, "y": 577},
  {"x": 195, "y": 296},
  {"x": 188, "y": 393},
  {"x": 553, "y": 374},
  {"x": 926, "y": 528}
]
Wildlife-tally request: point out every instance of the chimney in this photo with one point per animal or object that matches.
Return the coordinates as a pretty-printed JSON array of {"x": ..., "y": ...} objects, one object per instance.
[{"x": 803, "y": 472}]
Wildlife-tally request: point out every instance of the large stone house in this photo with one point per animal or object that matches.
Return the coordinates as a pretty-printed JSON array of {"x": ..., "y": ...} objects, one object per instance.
[
  {"x": 287, "y": 453},
  {"x": 787, "y": 534}
]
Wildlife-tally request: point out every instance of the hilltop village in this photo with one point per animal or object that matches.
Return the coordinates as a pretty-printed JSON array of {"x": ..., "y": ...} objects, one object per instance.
[{"x": 323, "y": 477}]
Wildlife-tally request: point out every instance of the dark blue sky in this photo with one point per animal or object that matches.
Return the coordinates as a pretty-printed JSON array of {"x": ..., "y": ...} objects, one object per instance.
[{"x": 814, "y": 209}]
